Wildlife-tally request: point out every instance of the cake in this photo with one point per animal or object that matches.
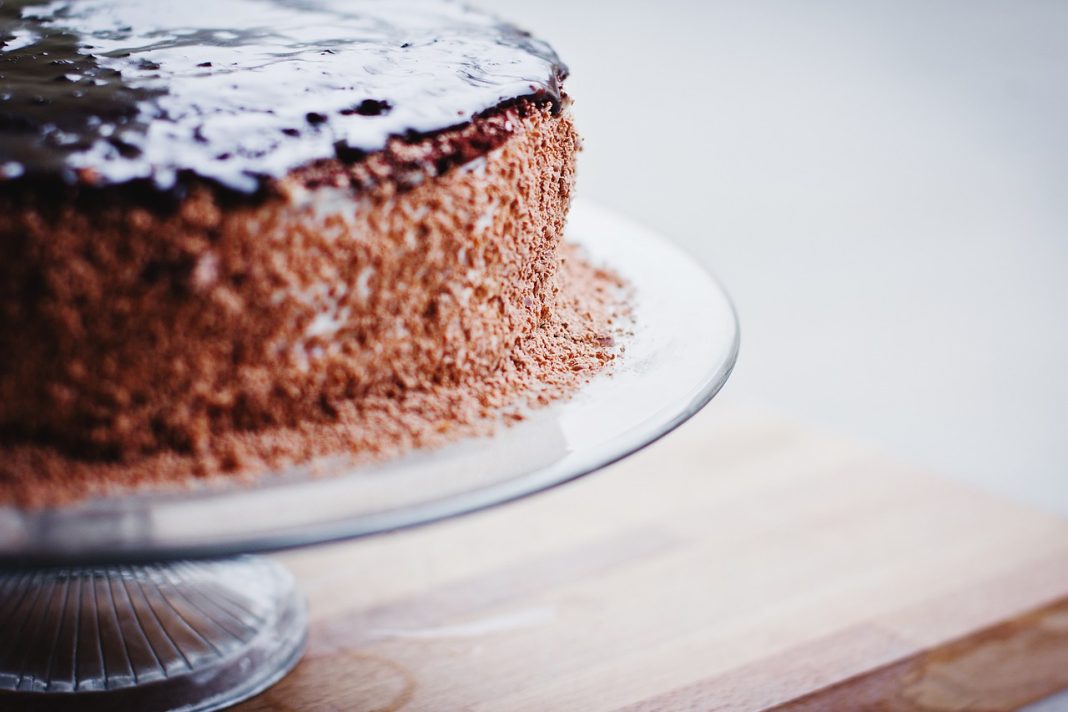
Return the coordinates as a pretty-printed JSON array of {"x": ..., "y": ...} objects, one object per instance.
[{"x": 220, "y": 221}]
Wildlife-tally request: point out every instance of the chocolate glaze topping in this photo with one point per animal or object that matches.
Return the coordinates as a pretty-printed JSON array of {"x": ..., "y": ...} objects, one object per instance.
[{"x": 106, "y": 92}]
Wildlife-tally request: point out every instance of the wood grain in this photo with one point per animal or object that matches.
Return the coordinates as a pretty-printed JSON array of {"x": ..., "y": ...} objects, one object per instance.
[{"x": 740, "y": 564}]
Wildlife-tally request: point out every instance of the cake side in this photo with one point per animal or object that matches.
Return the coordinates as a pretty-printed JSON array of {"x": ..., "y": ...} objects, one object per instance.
[
  {"x": 587, "y": 329},
  {"x": 130, "y": 330}
]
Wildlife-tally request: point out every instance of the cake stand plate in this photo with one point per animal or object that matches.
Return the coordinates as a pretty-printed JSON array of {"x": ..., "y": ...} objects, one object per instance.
[{"x": 111, "y": 602}]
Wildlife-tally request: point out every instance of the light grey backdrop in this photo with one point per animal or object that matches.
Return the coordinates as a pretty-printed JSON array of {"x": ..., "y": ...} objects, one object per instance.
[{"x": 882, "y": 186}]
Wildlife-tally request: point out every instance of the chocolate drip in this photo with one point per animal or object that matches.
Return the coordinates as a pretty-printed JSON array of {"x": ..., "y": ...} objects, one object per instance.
[{"x": 108, "y": 92}]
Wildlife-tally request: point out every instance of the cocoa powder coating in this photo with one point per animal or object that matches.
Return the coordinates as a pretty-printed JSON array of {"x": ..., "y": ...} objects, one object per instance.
[
  {"x": 127, "y": 331},
  {"x": 581, "y": 337},
  {"x": 401, "y": 301}
]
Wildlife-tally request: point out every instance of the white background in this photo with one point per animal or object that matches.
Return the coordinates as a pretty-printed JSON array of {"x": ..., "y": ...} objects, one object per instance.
[{"x": 882, "y": 186}]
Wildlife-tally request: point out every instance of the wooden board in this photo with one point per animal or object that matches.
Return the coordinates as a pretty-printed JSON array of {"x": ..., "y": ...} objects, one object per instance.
[{"x": 739, "y": 564}]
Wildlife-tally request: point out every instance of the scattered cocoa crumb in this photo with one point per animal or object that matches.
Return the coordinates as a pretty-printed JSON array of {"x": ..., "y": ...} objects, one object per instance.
[{"x": 581, "y": 337}]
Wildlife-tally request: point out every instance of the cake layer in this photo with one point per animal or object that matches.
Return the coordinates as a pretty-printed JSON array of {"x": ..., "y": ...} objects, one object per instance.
[{"x": 128, "y": 330}]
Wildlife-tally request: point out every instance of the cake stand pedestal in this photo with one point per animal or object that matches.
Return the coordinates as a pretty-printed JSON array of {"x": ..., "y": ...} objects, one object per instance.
[
  {"x": 183, "y": 635},
  {"x": 201, "y": 631}
]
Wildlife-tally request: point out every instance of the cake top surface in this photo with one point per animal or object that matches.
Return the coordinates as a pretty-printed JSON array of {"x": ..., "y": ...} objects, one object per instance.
[{"x": 107, "y": 92}]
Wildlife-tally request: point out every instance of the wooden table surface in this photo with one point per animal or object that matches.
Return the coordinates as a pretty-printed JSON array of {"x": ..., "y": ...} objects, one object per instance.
[{"x": 739, "y": 564}]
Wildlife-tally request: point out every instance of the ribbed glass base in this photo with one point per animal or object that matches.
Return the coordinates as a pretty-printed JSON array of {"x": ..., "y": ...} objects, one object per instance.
[{"x": 177, "y": 636}]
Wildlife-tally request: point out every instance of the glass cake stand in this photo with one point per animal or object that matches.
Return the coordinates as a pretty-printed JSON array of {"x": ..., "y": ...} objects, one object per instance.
[{"x": 151, "y": 601}]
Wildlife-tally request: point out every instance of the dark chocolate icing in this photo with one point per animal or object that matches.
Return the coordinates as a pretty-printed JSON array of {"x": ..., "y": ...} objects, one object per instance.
[{"x": 106, "y": 92}]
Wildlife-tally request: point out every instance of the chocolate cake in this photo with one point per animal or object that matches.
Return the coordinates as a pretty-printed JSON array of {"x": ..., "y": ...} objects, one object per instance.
[{"x": 219, "y": 219}]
